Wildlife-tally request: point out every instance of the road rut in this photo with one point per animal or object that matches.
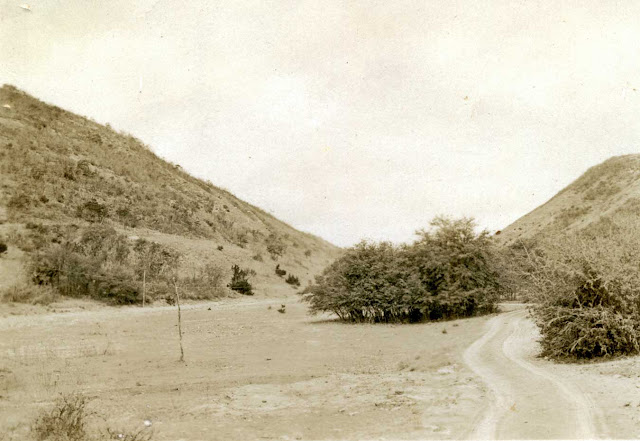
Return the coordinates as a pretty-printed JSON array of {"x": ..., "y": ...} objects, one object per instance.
[{"x": 528, "y": 400}]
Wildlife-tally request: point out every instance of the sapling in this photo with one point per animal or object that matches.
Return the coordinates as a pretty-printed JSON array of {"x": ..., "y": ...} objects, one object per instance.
[{"x": 175, "y": 285}]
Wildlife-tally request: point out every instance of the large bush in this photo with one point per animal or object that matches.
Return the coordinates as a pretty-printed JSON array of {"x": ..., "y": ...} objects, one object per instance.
[
  {"x": 588, "y": 292},
  {"x": 446, "y": 273}
]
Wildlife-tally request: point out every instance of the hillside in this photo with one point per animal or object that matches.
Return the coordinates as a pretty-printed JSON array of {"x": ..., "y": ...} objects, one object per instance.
[
  {"x": 608, "y": 190},
  {"x": 58, "y": 169}
]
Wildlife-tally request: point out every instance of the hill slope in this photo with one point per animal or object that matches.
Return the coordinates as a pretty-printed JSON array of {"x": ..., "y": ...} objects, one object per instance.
[
  {"x": 57, "y": 168},
  {"x": 610, "y": 189}
]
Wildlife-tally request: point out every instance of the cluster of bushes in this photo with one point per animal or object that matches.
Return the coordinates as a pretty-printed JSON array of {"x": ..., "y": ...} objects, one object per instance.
[
  {"x": 449, "y": 272},
  {"x": 291, "y": 279},
  {"x": 98, "y": 262},
  {"x": 586, "y": 291}
]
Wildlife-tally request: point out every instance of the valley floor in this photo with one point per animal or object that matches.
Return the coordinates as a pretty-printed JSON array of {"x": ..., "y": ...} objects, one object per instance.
[{"x": 254, "y": 373}]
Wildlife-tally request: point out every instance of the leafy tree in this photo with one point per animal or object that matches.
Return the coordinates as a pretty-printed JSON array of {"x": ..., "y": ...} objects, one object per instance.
[{"x": 447, "y": 272}]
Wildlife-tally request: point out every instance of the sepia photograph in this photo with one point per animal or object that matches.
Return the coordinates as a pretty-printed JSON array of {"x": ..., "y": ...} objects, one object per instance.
[{"x": 319, "y": 220}]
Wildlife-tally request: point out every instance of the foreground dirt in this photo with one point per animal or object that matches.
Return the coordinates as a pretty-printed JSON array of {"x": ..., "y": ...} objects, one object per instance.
[
  {"x": 250, "y": 373},
  {"x": 254, "y": 373}
]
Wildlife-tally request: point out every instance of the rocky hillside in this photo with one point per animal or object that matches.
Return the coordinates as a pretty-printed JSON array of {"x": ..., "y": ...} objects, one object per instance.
[
  {"x": 610, "y": 189},
  {"x": 57, "y": 168}
]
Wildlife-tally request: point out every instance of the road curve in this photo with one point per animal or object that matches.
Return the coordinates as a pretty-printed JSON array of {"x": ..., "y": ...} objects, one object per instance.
[{"x": 527, "y": 400}]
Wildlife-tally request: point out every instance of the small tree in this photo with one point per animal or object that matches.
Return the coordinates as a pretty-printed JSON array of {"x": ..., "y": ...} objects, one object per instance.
[
  {"x": 275, "y": 246},
  {"x": 240, "y": 281}
]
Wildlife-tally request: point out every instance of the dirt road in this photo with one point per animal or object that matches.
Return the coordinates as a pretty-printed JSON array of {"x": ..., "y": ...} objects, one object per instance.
[{"x": 529, "y": 400}]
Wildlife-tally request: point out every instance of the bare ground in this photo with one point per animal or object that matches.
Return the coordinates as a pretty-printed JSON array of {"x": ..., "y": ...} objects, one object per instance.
[
  {"x": 250, "y": 373},
  {"x": 254, "y": 373}
]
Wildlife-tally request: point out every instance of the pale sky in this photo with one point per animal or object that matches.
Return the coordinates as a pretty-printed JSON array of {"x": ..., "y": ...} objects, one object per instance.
[{"x": 348, "y": 119}]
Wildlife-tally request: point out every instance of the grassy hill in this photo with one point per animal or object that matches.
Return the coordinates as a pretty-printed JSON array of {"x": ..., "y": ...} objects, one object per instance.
[
  {"x": 609, "y": 190},
  {"x": 60, "y": 171}
]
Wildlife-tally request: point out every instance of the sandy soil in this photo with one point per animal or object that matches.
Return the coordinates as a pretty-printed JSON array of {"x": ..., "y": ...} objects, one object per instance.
[
  {"x": 254, "y": 373},
  {"x": 250, "y": 373}
]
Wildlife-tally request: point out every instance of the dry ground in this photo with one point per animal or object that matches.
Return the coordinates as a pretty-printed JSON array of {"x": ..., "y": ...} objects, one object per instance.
[
  {"x": 254, "y": 373},
  {"x": 250, "y": 373}
]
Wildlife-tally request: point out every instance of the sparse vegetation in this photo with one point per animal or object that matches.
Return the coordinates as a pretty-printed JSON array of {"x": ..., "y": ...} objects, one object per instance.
[
  {"x": 29, "y": 293},
  {"x": 58, "y": 168},
  {"x": 69, "y": 420}
]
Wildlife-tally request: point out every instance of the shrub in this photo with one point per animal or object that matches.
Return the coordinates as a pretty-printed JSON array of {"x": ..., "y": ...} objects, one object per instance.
[
  {"x": 69, "y": 420},
  {"x": 280, "y": 272},
  {"x": 19, "y": 201},
  {"x": 258, "y": 257},
  {"x": 588, "y": 292},
  {"x": 584, "y": 333},
  {"x": 275, "y": 246},
  {"x": 29, "y": 293},
  {"x": 446, "y": 273},
  {"x": 240, "y": 282},
  {"x": 66, "y": 421},
  {"x": 293, "y": 280},
  {"x": 204, "y": 283},
  {"x": 92, "y": 211},
  {"x": 3, "y": 248}
]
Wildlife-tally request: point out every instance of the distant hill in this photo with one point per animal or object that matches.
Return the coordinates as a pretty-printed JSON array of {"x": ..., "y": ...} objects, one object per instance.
[
  {"x": 608, "y": 190},
  {"x": 60, "y": 168}
]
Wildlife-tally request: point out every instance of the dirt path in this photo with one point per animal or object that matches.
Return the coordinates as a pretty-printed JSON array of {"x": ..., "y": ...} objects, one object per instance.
[{"x": 529, "y": 401}]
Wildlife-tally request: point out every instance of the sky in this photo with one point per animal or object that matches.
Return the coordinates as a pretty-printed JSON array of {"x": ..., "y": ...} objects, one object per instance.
[{"x": 348, "y": 119}]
